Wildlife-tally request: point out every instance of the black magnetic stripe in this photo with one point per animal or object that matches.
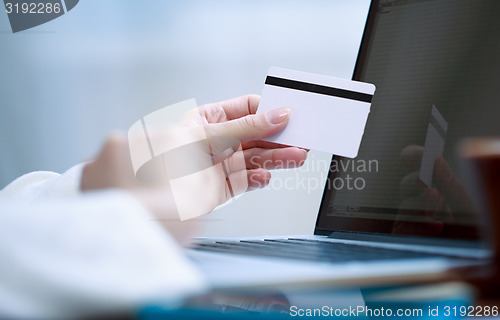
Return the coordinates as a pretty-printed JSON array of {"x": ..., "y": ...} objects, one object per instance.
[
  {"x": 438, "y": 127},
  {"x": 316, "y": 88}
]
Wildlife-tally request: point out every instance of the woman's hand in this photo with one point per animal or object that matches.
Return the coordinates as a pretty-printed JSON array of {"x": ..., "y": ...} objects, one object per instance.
[{"x": 227, "y": 133}]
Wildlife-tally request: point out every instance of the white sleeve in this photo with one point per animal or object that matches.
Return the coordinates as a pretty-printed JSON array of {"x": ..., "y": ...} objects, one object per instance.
[
  {"x": 64, "y": 256},
  {"x": 44, "y": 185},
  {"x": 91, "y": 253}
]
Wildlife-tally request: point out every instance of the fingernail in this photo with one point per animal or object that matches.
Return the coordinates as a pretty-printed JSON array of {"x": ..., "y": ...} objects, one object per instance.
[{"x": 278, "y": 115}]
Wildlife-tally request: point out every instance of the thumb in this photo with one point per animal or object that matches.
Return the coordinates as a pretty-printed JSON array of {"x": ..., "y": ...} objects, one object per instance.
[{"x": 250, "y": 127}]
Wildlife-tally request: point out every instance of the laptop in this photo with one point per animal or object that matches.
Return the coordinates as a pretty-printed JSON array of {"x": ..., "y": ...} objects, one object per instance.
[{"x": 408, "y": 215}]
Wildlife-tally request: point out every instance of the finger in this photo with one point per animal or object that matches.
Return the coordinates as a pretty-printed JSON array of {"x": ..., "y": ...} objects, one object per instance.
[
  {"x": 433, "y": 201},
  {"x": 250, "y": 127},
  {"x": 247, "y": 180},
  {"x": 234, "y": 163},
  {"x": 112, "y": 168},
  {"x": 451, "y": 188},
  {"x": 258, "y": 179},
  {"x": 234, "y": 108},
  {"x": 220, "y": 145},
  {"x": 263, "y": 144},
  {"x": 255, "y": 158},
  {"x": 237, "y": 183},
  {"x": 267, "y": 145},
  {"x": 411, "y": 157},
  {"x": 283, "y": 158},
  {"x": 411, "y": 185},
  {"x": 224, "y": 155}
]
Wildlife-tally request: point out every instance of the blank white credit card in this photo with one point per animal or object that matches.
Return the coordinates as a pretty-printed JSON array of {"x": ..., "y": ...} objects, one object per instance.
[{"x": 328, "y": 114}]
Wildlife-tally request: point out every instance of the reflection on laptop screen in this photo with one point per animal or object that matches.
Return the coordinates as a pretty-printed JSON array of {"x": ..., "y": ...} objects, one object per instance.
[{"x": 436, "y": 66}]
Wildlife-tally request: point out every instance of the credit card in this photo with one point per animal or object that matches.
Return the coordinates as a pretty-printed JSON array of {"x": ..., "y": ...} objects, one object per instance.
[{"x": 328, "y": 114}]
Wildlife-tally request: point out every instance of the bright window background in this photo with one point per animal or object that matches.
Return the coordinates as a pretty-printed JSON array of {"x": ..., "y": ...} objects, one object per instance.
[{"x": 105, "y": 64}]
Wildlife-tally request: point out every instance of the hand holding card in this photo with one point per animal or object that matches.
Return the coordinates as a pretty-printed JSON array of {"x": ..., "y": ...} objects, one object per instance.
[{"x": 328, "y": 114}]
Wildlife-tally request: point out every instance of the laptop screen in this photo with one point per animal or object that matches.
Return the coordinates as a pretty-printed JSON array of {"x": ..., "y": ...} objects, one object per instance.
[{"x": 436, "y": 66}]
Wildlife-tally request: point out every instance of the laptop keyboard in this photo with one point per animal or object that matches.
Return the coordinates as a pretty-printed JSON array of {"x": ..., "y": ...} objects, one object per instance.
[{"x": 307, "y": 249}]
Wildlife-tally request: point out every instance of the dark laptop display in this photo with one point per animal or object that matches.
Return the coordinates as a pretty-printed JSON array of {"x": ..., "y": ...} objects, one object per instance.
[{"x": 436, "y": 66}]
